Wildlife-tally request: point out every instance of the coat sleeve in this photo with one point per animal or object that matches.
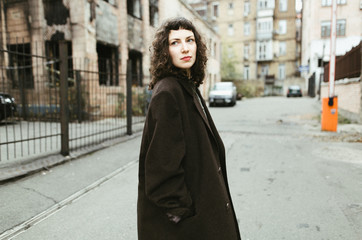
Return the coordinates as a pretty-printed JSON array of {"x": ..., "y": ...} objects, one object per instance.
[{"x": 164, "y": 173}]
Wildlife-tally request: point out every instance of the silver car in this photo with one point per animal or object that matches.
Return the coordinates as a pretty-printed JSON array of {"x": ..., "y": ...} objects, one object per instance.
[{"x": 223, "y": 93}]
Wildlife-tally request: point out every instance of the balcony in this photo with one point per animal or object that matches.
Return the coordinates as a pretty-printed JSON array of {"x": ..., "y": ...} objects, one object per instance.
[
  {"x": 269, "y": 79},
  {"x": 264, "y": 35},
  {"x": 262, "y": 13}
]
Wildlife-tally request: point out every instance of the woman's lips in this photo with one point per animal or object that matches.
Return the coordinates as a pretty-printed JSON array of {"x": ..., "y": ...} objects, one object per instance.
[{"x": 186, "y": 58}]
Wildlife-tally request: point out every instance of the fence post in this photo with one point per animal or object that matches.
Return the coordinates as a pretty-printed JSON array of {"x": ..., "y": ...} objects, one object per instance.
[
  {"x": 79, "y": 96},
  {"x": 129, "y": 97},
  {"x": 64, "y": 110}
]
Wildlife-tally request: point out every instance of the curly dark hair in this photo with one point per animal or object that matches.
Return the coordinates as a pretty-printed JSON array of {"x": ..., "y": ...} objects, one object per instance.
[{"x": 161, "y": 62}]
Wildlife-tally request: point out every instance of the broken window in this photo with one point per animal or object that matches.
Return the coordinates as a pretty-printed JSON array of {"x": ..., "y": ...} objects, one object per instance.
[
  {"x": 107, "y": 64},
  {"x": 20, "y": 66},
  {"x": 154, "y": 13},
  {"x": 135, "y": 58},
  {"x": 134, "y": 8},
  {"x": 55, "y": 12},
  {"x": 53, "y": 64}
]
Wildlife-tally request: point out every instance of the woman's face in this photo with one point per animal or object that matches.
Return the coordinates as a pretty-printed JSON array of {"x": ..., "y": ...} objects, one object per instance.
[{"x": 182, "y": 48}]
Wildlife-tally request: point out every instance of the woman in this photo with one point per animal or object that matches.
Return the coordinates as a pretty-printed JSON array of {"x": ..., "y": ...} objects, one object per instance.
[{"x": 183, "y": 192}]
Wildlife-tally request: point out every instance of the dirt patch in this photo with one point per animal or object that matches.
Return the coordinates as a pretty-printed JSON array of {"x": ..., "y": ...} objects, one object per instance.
[{"x": 342, "y": 137}]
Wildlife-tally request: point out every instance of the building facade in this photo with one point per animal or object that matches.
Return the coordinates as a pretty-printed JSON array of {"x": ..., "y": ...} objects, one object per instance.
[
  {"x": 103, "y": 35},
  {"x": 259, "y": 39},
  {"x": 316, "y": 35}
]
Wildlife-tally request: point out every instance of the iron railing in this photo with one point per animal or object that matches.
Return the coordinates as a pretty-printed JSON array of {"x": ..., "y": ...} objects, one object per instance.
[{"x": 61, "y": 105}]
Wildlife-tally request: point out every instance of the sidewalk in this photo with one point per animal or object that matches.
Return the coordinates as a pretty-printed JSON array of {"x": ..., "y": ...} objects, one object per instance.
[
  {"x": 40, "y": 195},
  {"x": 24, "y": 165}
]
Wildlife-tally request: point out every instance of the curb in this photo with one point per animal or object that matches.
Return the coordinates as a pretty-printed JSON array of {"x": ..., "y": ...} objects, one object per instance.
[{"x": 30, "y": 166}]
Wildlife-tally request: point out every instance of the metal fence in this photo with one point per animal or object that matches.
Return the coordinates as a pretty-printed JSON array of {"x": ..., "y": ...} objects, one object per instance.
[
  {"x": 347, "y": 66},
  {"x": 64, "y": 104}
]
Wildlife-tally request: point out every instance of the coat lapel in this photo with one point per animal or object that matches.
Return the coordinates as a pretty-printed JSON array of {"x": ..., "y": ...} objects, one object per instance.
[{"x": 204, "y": 117}]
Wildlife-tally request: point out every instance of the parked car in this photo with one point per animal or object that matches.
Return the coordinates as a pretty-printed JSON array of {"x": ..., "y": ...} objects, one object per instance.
[
  {"x": 294, "y": 91},
  {"x": 7, "y": 106},
  {"x": 223, "y": 93}
]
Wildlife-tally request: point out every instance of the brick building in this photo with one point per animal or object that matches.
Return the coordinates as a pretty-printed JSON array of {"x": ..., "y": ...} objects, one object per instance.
[{"x": 102, "y": 36}]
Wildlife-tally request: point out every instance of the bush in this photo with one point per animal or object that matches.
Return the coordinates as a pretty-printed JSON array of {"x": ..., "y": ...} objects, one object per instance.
[{"x": 250, "y": 89}]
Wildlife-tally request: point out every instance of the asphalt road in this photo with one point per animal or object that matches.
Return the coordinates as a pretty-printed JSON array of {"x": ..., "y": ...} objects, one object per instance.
[{"x": 288, "y": 181}]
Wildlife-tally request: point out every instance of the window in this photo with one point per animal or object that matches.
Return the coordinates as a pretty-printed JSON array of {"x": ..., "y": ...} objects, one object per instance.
[
  {"x": 107, "y": 64},
  {"x": 202, "y": 11},
  {"x": 134, "y": 8},
  {"x": 231, "y": 30},
  {"x": 20, "y": 63},
  {"x": 263, "y": 4},
  {"x": 325, "y": 29},
  {"x": 246, "y": 51},
  {"x": 329, "y": 2},
  {"x": 246, "y": 72},
  {"x": 246, "y": 8},
  {"x": 281, "y": 71},
  {"x": 282, "y": 27},
  {"x": 53, "y": 67},
  {"x": 135, "y": 58},
  {"x": 262, "y": 49},
  {"x": 231, "y": 9},
  {"x": 246, "y": 29},
  {"x": 282, "y": 48},
  {"x": 55, "y": 13},
  {"x": 341, "y": 27},
  {"x": 265, "y": 25},
  {"x": 154, "y": 13},
  {"x": 212, "y": 48},
  {"x": 283, "y": 5},
  {"x": 264, "y": 70},
  {"x": 215, "y": 10},
  {"x": 326, "y": 2}
]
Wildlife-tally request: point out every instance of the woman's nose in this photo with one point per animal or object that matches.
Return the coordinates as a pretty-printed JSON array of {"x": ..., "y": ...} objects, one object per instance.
[{"x": 184, "y": 48}]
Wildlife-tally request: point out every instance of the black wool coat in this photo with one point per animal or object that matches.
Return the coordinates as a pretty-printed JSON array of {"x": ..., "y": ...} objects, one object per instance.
[{"x": 182, "y": 170}]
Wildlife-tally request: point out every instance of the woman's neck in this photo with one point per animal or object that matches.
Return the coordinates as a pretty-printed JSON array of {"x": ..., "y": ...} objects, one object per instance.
[{"x": 188, "y": 73}]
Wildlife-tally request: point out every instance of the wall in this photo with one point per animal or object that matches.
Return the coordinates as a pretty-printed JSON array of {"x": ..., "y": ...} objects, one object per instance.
[
  {"x": 349, "y": 93},
  {"x": 314, "y": 46}
]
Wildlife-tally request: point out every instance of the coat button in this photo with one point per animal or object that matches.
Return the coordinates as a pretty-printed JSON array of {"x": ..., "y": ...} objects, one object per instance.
[
  {"x": 219, "y": 170},
  {"x": 227, "y": 206}
]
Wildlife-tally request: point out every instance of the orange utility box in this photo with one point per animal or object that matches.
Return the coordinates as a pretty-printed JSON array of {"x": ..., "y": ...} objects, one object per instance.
[{"x": 329, "y": 114}]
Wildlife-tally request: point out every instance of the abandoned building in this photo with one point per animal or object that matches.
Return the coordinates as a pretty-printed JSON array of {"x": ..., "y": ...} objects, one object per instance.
[{"x": 101, "y": 37}]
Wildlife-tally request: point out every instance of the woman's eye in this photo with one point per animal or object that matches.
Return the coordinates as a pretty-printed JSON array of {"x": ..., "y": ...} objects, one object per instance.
[
  {"x": 191, "y": 40},
  {"x": 174, "y": 43}
]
